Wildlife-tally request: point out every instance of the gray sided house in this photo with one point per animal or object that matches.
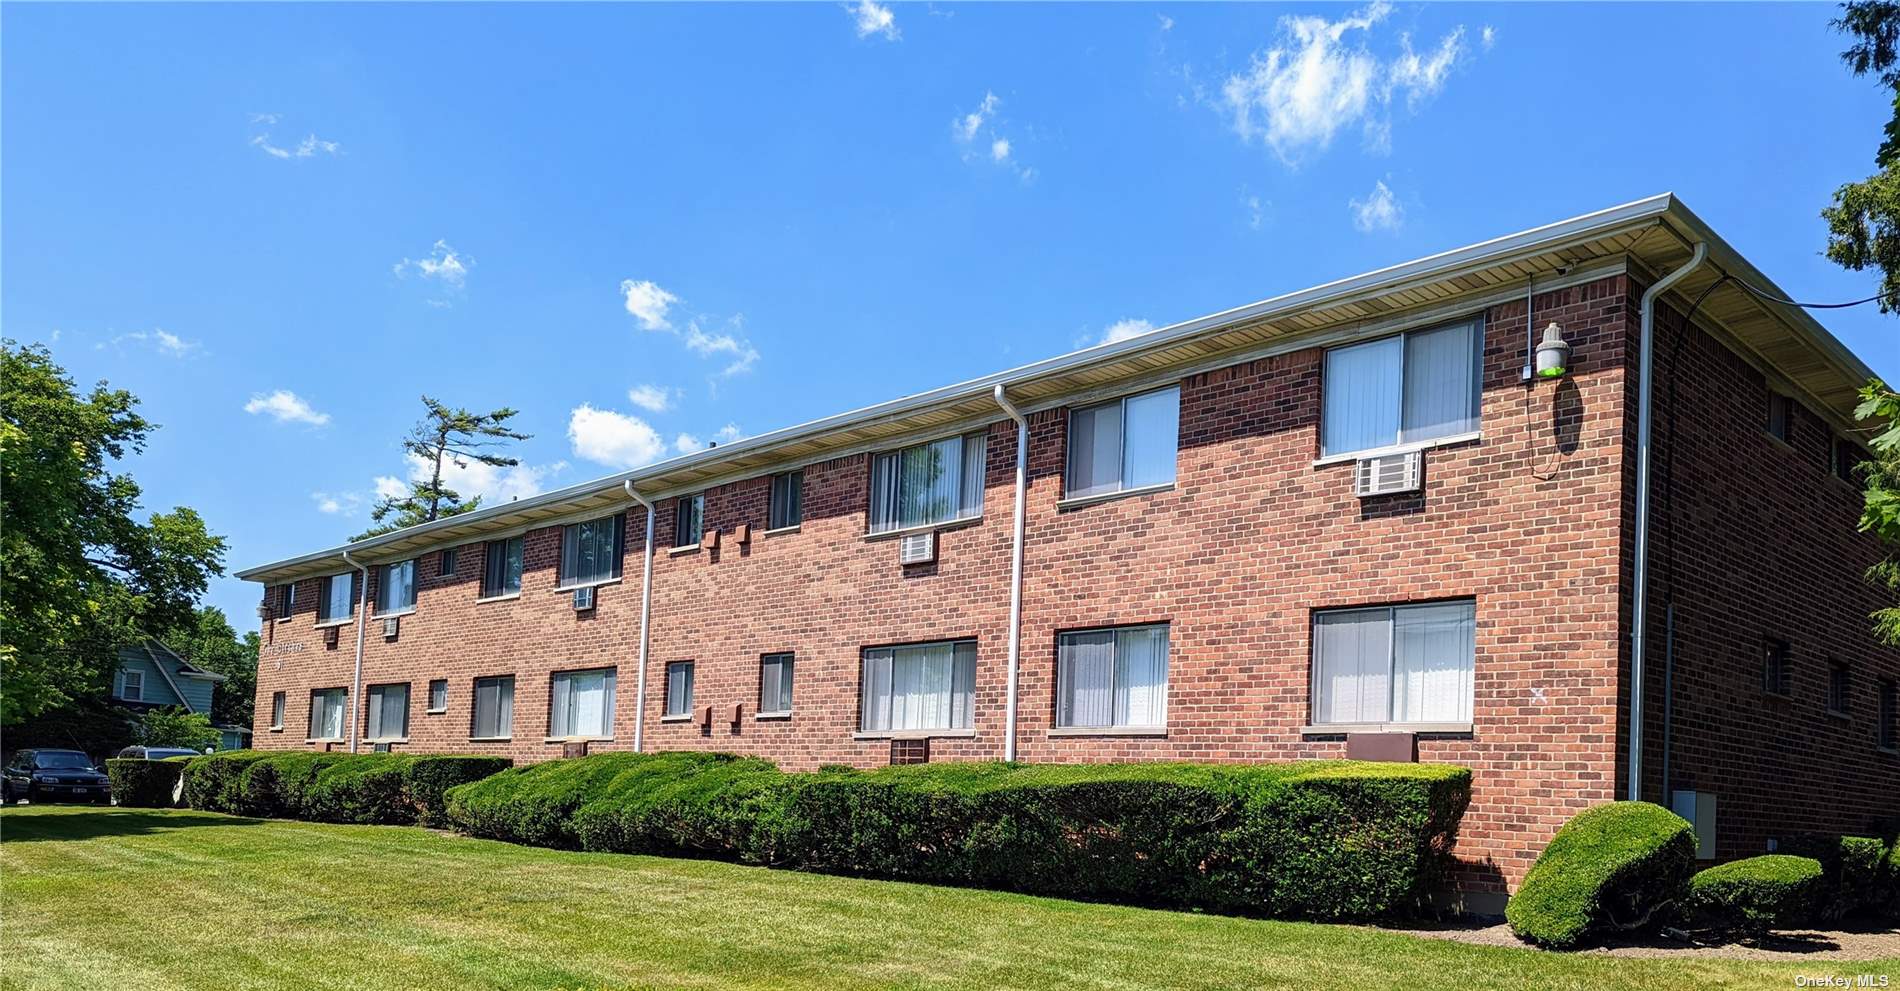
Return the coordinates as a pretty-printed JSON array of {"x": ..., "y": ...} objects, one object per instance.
[{"x": 153, "y": 676}]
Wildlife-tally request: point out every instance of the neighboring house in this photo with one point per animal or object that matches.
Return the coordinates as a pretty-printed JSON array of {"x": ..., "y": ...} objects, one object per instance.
[
  {"x": 152, "y": 676},
  {"x": 1342, "y": 521}
]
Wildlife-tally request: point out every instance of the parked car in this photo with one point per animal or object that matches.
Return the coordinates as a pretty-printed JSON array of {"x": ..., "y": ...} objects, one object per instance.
[
  {"x": 157, "y": 753},
  {"x": 47, "y": 775}
]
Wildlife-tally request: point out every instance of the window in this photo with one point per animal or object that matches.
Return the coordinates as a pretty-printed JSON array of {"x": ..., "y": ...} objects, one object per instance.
[
  {"x": 590, "y": 552},
  {"x": 1839, "y": 688},
  {"x": 689, "y": 520},
  {"x": 494, "y": 708},
  {"x": 339, "y": 597},
  {"x": 1848, "y": 458},
  {"x": 1781, "y": 417},
  {"x": 132, "y": 686},
  {"x": 1416, "y": 387},
  {"x": 1399, "y": 664},
  {"x": 439, "y": 695},
  {"x": 396, "y": 592},
  {"x": 284, "y": 599},
  {"x": 277, "y": 710},
  {"x": 927, "y": 484},
  {"x": 326, "y": 713},
  {"x": 1126, "y": 444},
  {"x": 583, "y": 704},
  {"x": 1777, "y": 668},
  {"x": 1887, "y": 734},
  {"x": 788, "y": 500},
  {"x": 1108, "y": 678},
  {"x": 501, "y": 568},
  {"x": 922, "y": 687},
  {"x": 388, "y": 712},
  {"x": 775, "y": 683},
  {"x": 446, "y": 565},
  {"x": 679, "y": 688}
]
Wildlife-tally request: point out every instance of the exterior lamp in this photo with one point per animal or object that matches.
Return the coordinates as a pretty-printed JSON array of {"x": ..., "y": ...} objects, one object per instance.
[{"x": 1553, "y": 354}]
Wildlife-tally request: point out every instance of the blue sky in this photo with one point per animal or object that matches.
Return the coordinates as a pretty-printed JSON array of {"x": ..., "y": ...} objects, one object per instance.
[{"x": 278, "y": 225}]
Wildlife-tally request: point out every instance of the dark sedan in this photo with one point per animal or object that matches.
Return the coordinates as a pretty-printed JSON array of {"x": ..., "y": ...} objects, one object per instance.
[{"x": 54, "y": 775}]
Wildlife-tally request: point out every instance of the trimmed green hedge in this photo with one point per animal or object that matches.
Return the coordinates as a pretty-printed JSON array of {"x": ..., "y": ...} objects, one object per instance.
[
  {"x": 1854, "y": 873},
  {"x": 1316, "y": 839},
  {"x": 1758, "y": 894},
  {"x": 143, "y": 783},
  {"x": 1609, "y": 866},
  {"x": 394, "y": 789}
]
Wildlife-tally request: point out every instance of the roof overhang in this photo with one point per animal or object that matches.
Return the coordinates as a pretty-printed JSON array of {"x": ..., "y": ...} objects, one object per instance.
[{"x": 1653, "y": 235}]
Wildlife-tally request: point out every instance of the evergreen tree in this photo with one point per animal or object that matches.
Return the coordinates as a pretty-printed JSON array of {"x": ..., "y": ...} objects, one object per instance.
[{"x": 445, "y": 436}]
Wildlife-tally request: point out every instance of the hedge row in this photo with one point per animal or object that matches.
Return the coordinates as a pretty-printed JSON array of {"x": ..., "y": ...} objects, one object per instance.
[
  {"x": 1315, "y": 839},
  {"x": 143, "y": 783},
  {"x": 390, "y": 789},
  {"x": 1757, "y": 894}
]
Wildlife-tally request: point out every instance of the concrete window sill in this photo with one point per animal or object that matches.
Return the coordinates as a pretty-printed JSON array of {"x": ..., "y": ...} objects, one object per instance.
[
  {"x": 677, "y": 551},
  {"x": 945, "y": 526},
  {"x": 490, "y": 739},
  {"x": 1078, "y": 502},
  {"x": 570, "y": 589},
  {"x": 916, "y": 734},
  {"x": 1062, "y": 731},
  {"x": 1334, "y": 459},
  {"x": 771, "y": 716},
  {"x": 683, "y": 718},
  {"x": 577, "y": 739},
  {"x": 1341, "y": 729},
  {"x": 510, "y": 597}
]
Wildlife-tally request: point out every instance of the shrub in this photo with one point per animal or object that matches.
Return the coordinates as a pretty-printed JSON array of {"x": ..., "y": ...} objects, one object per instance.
[
  {"x": 535, "y": 805},
  {"x": 692, "y": 803},
  {"x": 328, "y": 787},
  {"x": 277, "y": 785},
  {"x": 143, "y": 783},
  {"x": 212, "y": 782},
  {"x": 1851, "y": 873},
  {"x": 429, "y": 777},
  {"x": 1757, "y": 894},
  {"x": 1610, "y": 866}
]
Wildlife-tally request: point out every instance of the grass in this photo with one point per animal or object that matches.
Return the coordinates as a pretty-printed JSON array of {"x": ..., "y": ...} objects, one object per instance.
[{"x": 159, "y": 899}]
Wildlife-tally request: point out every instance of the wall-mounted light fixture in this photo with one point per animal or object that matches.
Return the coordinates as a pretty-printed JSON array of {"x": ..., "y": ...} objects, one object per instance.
[{"x": 1553, "y": 354}]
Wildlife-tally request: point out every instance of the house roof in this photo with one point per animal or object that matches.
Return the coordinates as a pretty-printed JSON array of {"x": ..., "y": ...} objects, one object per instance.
[
  {"x": 168, "y": 662},
  {"x": 1646, "y": 236}
]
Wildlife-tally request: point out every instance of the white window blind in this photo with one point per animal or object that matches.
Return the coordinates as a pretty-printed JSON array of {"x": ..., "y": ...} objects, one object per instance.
[
  {"x": 494, "y": 707},
  {"x": 689, "y": 520},
  {"x": 1108, "y": 678},
  {"x": 501, "y": 569},
  {"x": 398, "y": 587},
  {"x": 788, "y": 500},
  {"x": 923, "y": 687},
  {"x": 679, "y": 688},
  {"x": 327, "y": 713},
  {"x": 388, "y": 712},
  {"x": 1415, "y": 387},
  {"x": 590, "y": 551},
  {"x": 339, "y": 597},
  {"x": 277, "y": 710},
  {"x": 438, "y": 695},
  {"x": 1404, "y": 664},
  {"x": 928, "y": 483},
  {"x": 583, "y": 703},
  {"x": 1129, "y": 443},
  {"x": 775, "y": 683}
]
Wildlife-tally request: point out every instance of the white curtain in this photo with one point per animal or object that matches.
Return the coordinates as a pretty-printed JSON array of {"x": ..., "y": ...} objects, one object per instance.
[
  {"x": 1432, "y": 651},
  {"x": 326, "y": 714},
  {"x": 972, "y": 475},
  {"x": 919, "y": 688},
  {"x": 1141, "y": 676},
  {"x": 495, "y": 707},
  {"x": 928, "y": 483},
  {"x": 339, "y": 596},
  {"x": 679, "y": 689},
  {"x": 1361, "y": 396},
  {"x": 1095, "y": 445},
  {"x": 1352, "y": 657},
  {"x": 583, "y": 703},
  {"x": 1086, "y": 676},
  {"x": 388, "y": 711},
  {"x": 1151, "y": 436},
  {"x": 399, "y": 587},
  {"x": 1441, "y": 383}
]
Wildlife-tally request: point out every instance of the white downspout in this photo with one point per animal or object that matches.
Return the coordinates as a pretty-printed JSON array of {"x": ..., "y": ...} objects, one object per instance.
[
  {"x": 1639, "y": 589},
  {"x": 1015, "y": 571},
  {"x": 362, "y": 617},
  {"x": 646, "y": 613}
]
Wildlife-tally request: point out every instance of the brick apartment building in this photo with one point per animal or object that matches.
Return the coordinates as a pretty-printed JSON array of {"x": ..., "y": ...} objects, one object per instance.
[{"x": 1201, "y": 576}]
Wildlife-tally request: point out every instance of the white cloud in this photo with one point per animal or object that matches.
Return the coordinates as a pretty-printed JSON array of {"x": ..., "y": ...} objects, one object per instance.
[
  {"x": 266, "y": 118},
  {"x": 311, "y": 144},
  {"x": 336, "y": 503},
  {"x": 648, "y": 303},
  {"x": 1488, "y": 37},
  {"x": 1314, "y": 82},
  {"x": 444, "y": 264},
  {"x": 967, "y": 126},
  {"x": 744, "y": 355},
  {"x": 688, "y": 444},
  {"x": 1256, "y": 208},
  {"x": 1124, "y": 329},
  {"x": 728, "y": 433},
  {"x": 1167, "y": 23},
  {"x": 613, "y": 439},
  {"x": 999, "y": 150},
  {"x": 390, "y": 487},
  {"x": 652, "y": 398},
  {"x": 307, "y": 148},
  {"x": 473, "y": 478},
  {"x": 285, "y": 406},
  {"x": 1379, "y": 211},
  {"x": 872, "y": 18},
  {"x": 164, "y": 342}
]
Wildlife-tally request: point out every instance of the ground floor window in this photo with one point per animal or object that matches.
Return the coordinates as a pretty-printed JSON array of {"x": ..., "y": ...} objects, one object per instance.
[
  {"x": 277, "y": 710},
  {"x": 919, "y": 687},
  {"x": 326, "y": 713},
  {"x": 494, "y": 708},
  {"x": 1116, "y": 677},
  {"x": 439, "y": 695},
  {"x": 388, "y": 712},
  {"x": 1400, "y": 664},
  {"x": 583, "y": 703}
]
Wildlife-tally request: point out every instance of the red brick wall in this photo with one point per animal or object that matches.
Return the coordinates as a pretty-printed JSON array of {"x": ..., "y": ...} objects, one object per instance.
[
  {"x": 1761, "y": 542},
  {"x": 1252, "y": 538}
]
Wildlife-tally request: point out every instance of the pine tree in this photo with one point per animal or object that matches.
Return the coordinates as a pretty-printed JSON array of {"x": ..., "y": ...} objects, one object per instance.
[{"x": 445, "y": 436}]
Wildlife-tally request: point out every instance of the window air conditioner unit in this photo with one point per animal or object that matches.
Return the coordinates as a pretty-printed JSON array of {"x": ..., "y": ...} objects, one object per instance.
[
  {"x": 917, "y": 548},
  {"x": 381, "y": 748},
  {"x": 1387, "y": 474},
  {"x": 584, "y": 599},
  {"x": 391, "y": 627},
  {"x": 329, "y": 636}
]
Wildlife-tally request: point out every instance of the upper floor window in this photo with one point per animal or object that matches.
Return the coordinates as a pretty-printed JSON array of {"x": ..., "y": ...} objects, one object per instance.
[
  {"x": 679, "y": 689},
  {"x": 590, "y": 551},
  {"x": 1399, "y": 664},
  {"x": 397, "y": 592},
  {"x": 1887, "y": 734},
  {"x": 775, "y": 684},
  {"x": 689, "y": 519},
  {"x": 284, "y": 599},
  {"x": 1129, "y": 443},
  {"x": 439, "y": 695},
  {"x": 445, "y": 565},
  {"x": 1839, "y": 688},
  {"x": 1777, "y": 668},
  {"x": 926, "y": 484},
  {"x": 1109, "y": 678},
  {"x": 1418, "y": 386},
  {"x": 501, "y": 568},
  {"x": 788, "y": 500},
  {"x": 132, "y": 686},
  {"x": 583, "y": 703},
  {"x": 1848, "y": 457},
  {"x": 338, "y": 597},
  {"x": 1781, "y": 417},
  {"x": 919, "y": 687}
]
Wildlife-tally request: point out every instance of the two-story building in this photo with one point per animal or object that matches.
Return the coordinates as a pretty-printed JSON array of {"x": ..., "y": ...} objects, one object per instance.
[{"x": 1363, "y": 518}]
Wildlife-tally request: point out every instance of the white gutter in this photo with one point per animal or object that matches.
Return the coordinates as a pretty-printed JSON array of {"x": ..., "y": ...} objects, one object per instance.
[
  {"x": 646, "y": 614},
  {"x": 362, "y": 617},
  {"x": 1015, "y": 571},
  {"x": 1639, "y": 586}
]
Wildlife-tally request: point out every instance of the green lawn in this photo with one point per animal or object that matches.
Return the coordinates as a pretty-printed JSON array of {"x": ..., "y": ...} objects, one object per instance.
[{"x": 99, "y": 899}]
